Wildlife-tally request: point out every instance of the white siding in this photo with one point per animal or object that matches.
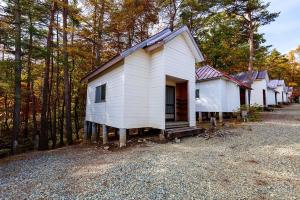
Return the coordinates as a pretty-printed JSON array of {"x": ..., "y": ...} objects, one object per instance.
[
  {"x": 218, "y": 96},
  {"x": 157, "y": 82},
  {"x": 279, "y": 95},
  {"x": 210, "y": 96},
  {"x": 180, "y": 63},
  {"x": 231, "y": 93},
  {"x": 109, "y": 112},
  {"x": 271, "y": 97},
  {"x": 136, "y": 84},
  {"x": 257, "y": 93}
]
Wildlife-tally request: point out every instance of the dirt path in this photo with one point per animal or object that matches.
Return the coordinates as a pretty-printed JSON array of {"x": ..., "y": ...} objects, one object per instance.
[{"x": 258, "y": 161}]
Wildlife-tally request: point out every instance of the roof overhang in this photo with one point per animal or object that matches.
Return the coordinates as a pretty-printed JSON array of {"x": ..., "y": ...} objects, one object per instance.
[{"x": 112, "y": 62}]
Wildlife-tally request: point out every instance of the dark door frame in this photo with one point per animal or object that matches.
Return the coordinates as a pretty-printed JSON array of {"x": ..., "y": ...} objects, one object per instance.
[
  {"x": 170, "y": 105},
  {"x": 264, "y": 97}
]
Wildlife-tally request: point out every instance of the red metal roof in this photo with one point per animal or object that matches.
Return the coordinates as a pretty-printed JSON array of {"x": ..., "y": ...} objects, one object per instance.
[{"x": 207, "y": 72}]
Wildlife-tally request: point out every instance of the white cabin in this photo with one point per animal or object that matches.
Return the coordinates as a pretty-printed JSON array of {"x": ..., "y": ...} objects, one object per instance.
[
  {"x": 146, "y": 86},
  {"x": 218, "y": 92},
  {"x": 281, "y": 90},
  {"x": 260, "y": 79}
]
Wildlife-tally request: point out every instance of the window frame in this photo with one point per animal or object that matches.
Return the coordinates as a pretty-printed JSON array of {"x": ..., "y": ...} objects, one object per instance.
[
  {"x": 101, "y": 98},
  {"x": 197, "y": 91}
]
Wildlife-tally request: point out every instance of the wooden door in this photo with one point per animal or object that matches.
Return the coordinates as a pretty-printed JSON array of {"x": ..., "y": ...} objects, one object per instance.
[
  {"x": 182, "y": 101},
  {"x": 170, "y": 103},
  {"x": 242, "y": 96}
]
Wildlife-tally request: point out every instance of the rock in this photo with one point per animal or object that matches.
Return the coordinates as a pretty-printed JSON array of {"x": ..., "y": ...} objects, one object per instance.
[
  {"x": 106, "y": 147},
  {"x": 177, "y": 140},
  {"x": 140, "y": 140}
]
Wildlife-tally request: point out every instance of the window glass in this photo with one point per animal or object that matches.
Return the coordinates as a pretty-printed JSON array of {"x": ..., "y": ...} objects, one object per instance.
[
  {"x": 100, "y": 93},
  {"x": 197, "y": 93}
]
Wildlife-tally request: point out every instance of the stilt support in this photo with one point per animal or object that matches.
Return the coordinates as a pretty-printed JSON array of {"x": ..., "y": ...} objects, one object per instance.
[
  {"x": 220, "y": 117},
  {"x": 122, "y": 134},
  {"x": 200, "y": 117},
  {"x": 94, "y": 133},
  {"x": 104, "y": 134},
  {"x": 85, "y": 131}
]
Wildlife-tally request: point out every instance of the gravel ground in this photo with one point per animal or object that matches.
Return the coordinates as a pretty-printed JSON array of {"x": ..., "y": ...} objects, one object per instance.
[{"x": 257, "y": 161}]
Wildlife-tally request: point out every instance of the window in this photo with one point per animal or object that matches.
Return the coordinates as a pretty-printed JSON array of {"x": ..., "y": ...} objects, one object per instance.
[
  {"x": 100, "y": 93},
  {"x": 197, "y": 94}
]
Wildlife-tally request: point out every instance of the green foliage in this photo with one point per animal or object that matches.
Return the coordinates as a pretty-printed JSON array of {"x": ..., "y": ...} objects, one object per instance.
[{"x": 253, "y": 111}]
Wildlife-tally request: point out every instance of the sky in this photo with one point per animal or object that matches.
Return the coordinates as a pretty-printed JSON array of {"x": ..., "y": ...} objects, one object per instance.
[{"x": 284, "y": 33}]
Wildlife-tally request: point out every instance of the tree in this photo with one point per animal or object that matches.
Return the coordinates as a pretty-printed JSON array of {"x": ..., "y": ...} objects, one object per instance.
[
  {"x": 67, "y": 92},
  {"x": 43, "y": 140},
  {"x": 253, "y": 14},
  {"x": 18, "y": 71}
]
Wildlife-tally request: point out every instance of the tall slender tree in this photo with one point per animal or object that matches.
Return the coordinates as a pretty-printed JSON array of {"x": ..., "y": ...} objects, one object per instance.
[
  {"x": 43, "y": 141},
  {"x": 254, "y": 14},
  {"x": 67, "y": 89},
  {"x": 18, "y": 71}
]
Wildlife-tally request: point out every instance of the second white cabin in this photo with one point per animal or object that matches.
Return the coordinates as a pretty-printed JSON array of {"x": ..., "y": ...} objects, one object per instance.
[{"x": 218, "y": 92}]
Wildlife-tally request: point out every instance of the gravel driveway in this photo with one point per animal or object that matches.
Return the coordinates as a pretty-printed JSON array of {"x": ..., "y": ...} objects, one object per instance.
[{"x": 257, "y": 161}]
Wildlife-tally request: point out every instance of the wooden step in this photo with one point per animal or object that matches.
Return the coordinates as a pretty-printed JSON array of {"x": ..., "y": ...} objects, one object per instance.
[
  {"x": 172, "y": 125},
  {"x": 183, "y": 132}
]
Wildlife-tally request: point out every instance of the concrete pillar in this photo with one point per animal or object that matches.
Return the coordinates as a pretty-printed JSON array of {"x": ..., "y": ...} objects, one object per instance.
[
  {"x": 140, "y": 131},
  {"x": 85, "y": 130},
  {"x": 90, "y": 124},
  {"x": 200, "y": 117},
  {"x": 122, "y": 134},
  {"x": 94, "y": 132},
  {"x": 104, "y": 134},
  {"x": 209, "y": 115},
  {"x": 162, "y": 137},
  {"x": 220, "y": 117}
]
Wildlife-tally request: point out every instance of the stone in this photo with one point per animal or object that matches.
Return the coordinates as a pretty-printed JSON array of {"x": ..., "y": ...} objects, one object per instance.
[
  {"x": 177, "y": 140},
  {"x": 106, "y": 147}
]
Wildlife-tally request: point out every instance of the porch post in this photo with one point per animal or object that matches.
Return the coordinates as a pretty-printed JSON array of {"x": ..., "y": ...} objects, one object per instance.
[
  {"x": 122, "y": 134},
  {"x": 220, "y": 117},
  {"x": 104, "y": 134},
  {"x": 94, "y": 132}
]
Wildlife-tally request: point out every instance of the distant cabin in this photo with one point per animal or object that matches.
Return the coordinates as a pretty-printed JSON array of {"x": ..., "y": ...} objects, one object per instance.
[
  {"x": 260, "y": 80},
  {"x": 218, "y": 92},
  {"x": 272, "y": 93},
  {"x": 281, "y": 94},
  {"x": 148, "y": 85}
]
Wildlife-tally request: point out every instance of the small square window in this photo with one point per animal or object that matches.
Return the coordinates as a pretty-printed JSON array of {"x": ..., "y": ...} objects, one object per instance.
[
  {"x": 100, "y": 93},
  {"x": 197, "y": 94}
]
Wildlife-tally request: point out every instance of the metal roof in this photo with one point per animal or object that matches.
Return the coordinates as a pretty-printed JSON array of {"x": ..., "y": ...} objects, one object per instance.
[
  {"x": 164, "y": 36},
  {"x": 273, "y": 84},
  {"x": 256, "y": 75},
  {"x": 207, "y": 73}
]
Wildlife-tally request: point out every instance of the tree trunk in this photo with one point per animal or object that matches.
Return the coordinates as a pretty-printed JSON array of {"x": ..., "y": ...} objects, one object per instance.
[
  {"x": 28, "y": 79},
  {"x": 61, "y": 129},
  {"x": 66, "y": 74},
  {"x": 43, "y": 140},
  {"x": 56, "y": 100},
  {"x": 173, "y": 15},
  {"x": 76, "y": 117},
  {"x": 18, "y": 70}
]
